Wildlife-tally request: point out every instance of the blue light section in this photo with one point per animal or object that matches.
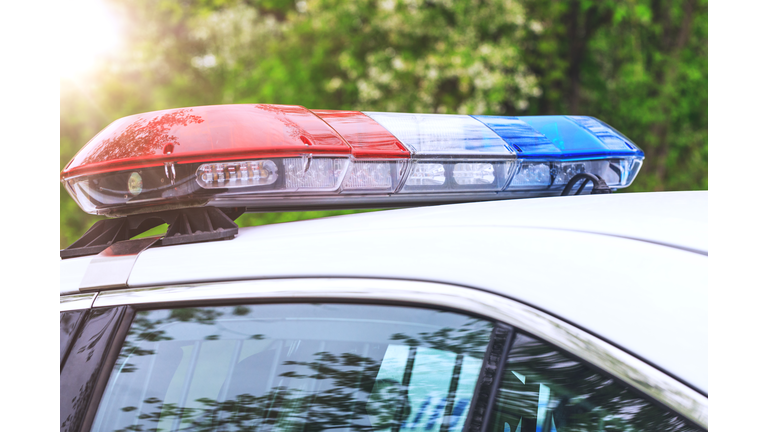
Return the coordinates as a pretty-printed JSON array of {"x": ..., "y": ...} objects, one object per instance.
[
  {"x": 561, "y": 137},
  {"x": 521, "y": 136},
  {"x": 608, "y": 135}
]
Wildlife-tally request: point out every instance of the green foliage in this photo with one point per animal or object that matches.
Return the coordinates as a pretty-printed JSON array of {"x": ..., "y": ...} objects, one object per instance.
[{"x": 639, "y": 65}]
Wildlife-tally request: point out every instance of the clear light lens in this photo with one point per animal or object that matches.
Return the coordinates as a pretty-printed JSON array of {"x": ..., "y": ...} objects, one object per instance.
[
  {"x": 259, "y": 172},
  {"x": 383, "y": 176},
  {"x": 617, "y": 173},
  {"x": 474, "y": 173},
  {"x": 567, "y": 170},
  {"x": 219, "y": 177},
  {"x": 80, "y": 192},
  {"x": 135, "y": 184},
  {"x": 205, "y": 174},
  {"x": 630, "y": 168},
  {"x": 441, "y": 134},
  {"x": 237, "y": 174},
  {"x": 314, "y": 174},
  {"x": 452, "y": 176},
  {"x": 426, "y": 174},
  {"x": 534, "y": 174}
]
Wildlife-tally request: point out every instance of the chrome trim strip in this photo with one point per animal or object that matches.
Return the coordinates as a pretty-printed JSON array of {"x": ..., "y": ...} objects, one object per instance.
[
  {"x": 76, "y": 301},
  {"x": 640, "y": 375}
]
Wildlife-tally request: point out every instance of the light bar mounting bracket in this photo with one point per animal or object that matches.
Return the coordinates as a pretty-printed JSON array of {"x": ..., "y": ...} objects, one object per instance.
[{"x": 190, "y": 225}]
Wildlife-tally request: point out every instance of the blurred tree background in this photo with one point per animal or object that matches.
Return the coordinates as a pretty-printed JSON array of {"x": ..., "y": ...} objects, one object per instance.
[{"x": 639, "y": 65}]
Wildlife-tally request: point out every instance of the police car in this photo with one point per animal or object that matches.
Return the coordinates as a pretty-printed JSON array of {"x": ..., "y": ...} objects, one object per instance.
[{"x": 470, "y": 310}]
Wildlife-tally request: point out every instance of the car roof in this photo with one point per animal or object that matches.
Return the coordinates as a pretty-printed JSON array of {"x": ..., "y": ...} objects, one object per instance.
[{"x": 630, "y": 268}]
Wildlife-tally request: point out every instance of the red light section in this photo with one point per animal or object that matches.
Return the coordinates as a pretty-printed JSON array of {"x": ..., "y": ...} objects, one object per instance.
[
  {"x": 369, "y": 139},
  {"x": 206, "y": 134}
]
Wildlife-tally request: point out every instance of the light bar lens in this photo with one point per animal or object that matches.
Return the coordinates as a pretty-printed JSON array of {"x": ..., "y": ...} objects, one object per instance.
[
  {"x": 533, "y": 175},
  {"x": 207, "y": 134},
  {"x": 308, "y": 174},
  {"x": 608, "y": 135},
  {"x": 561, "y": 137},
  {"x": 298, "y": 174},
  {"x": 444, "y": 147},
  {"x": 441, "y": 134},
  {"x": 135, "y": 184},
  {"x": 379, "y": 176},
  {"x": 520, "y": 136},
  {"x": 368, "y": 139},
  {"x": 473, "y": 173},
  {"x": 428, "y": 175},
  {"x": 237, "y": 174}
]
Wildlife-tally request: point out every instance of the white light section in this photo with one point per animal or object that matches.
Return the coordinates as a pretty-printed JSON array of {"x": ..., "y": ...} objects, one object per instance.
[
  {"x": 426, "y": 174},
  {"x": 314, "y": 174},
  {"x": 474, "y": 173},
  {"x": 379, "y": 176},
  {"x": 443, "y": 134},
  {"x": 430, "y": 175}
]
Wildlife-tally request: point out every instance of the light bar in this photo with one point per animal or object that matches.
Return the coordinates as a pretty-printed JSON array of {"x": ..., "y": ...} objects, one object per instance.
[{"x": 281, "y": 158}]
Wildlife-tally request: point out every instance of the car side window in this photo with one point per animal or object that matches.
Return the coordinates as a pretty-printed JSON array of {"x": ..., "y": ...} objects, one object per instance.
[
  {"x": 545, "y": 390},
  {"x": 303, "y": 367}
]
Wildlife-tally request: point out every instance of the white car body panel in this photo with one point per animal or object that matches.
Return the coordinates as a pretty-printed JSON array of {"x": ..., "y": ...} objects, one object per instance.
[{"x": 577, "y": 258}]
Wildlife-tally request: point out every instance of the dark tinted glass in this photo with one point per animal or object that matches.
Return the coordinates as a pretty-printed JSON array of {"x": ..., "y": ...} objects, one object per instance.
[
  {"x": 81, "y": 367},
  {"x": 295, "y": 367},
  {"x": 543, "y": 391},
  {"x": 68, "y": 322}
]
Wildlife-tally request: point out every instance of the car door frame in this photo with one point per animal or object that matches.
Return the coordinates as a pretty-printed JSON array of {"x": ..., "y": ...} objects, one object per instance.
[{"x": 633, "y": 371}]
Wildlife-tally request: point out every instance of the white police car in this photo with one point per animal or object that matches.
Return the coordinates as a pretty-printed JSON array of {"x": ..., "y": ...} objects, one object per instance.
[{"x": 544, "y": 314}]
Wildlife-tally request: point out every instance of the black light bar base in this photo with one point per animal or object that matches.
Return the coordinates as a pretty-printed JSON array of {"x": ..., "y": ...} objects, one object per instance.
[{"x": 191, "y": 225}]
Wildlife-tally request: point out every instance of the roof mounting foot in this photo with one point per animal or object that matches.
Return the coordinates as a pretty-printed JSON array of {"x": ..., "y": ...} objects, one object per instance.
[
  {"x": 199, "y": 225},
  {"x": 190, "y": 225}
]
